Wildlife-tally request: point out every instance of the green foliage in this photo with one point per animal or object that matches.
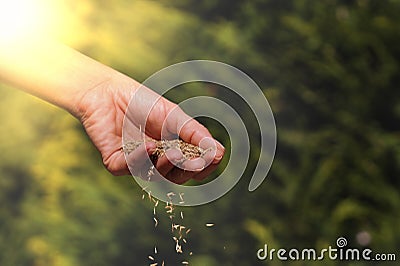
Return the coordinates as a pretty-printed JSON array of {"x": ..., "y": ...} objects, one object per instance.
[{"x": 330, "y": 71}]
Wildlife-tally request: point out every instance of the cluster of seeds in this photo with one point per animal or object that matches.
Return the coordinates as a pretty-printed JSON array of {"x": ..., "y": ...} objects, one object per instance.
[{"x": 189, "y": 151}]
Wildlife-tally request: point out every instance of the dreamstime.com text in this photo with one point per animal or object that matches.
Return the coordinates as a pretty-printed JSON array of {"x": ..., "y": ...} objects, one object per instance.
[{"x": 340, "y": 252}]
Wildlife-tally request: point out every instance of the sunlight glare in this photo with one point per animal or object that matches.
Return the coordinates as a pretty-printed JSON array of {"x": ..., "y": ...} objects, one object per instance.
[{"x": 24, "y": 17}]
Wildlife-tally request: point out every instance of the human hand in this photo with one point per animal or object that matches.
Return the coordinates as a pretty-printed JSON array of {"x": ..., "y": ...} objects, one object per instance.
[
  {"x": 101, "y": 110},
  {"x": 99, "y": 96}
]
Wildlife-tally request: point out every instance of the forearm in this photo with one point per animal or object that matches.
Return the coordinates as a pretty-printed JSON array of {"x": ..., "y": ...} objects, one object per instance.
[{"x": 51, "y": 71}]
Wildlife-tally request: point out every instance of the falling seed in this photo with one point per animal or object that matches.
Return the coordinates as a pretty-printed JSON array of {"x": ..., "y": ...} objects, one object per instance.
[
  {"x": 181, "y": 227},
  {"x": 185, "y": 263},
  {"x": 209, "y": 224},
  {"x": 155, "y": 222},
  {"x": 181, "y": 198},
  {"x": 155, "y": 250},
  {"x": 188, "y": 231},
  {"x": 143, "y": 197},
  {"x": 182, "y": 215},
  {"x": 150, "y": 173},
  {"x": 175, "y": 227},
  {"x": 178, "y": 248},
  {"x": 184, "y": 240},
  {"x": 169, "y": 209},
  {"x": 190, "y": 253},
  {"x": 151, "y": 258}
]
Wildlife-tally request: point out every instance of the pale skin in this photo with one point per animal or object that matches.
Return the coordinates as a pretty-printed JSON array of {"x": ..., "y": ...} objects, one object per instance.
[{"x": 98, "y": 96}]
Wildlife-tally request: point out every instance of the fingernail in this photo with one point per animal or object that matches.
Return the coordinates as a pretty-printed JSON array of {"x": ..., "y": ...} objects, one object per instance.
[
  {"x": 219, "y": 158},
  {"x": 220, "y": 145},
  {"x": 199, "y": 169}
]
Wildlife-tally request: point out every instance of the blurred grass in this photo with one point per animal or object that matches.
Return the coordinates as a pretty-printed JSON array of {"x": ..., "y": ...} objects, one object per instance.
[{"x": 330, "y": 71}]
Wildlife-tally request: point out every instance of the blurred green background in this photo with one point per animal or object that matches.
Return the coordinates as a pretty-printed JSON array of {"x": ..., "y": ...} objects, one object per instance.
[{"x": 331, "y": 72}]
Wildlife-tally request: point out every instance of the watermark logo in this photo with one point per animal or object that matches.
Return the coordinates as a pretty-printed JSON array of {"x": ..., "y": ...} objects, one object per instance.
[
  {"x": 341, "y": 253},
  {"x": 211, "y": 107},
  {"x": 341, "y": 242}
]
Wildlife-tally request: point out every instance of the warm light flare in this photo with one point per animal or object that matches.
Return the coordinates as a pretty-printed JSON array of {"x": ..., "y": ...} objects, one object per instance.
[
  {"x": 26, "y": 17},
  {"x": 28, "y": 43},
  {"x": 18, "y": 17},
  {"x": 63, "y": 20}
]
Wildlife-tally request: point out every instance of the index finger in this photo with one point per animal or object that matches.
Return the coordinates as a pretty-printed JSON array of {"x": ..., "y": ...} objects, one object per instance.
[{"x": 191, "y": 131}]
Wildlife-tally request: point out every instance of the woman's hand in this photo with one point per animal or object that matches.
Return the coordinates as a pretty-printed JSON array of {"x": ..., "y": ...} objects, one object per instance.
[
  {"x": 99, "y": 97},
  {"x": 102, "y": 110}
]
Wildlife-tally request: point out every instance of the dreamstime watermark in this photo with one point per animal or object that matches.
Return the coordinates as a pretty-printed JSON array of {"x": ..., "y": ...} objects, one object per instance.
[
  {"x": 341, "y": 252},
  {"x": 229, "y": 77}
]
